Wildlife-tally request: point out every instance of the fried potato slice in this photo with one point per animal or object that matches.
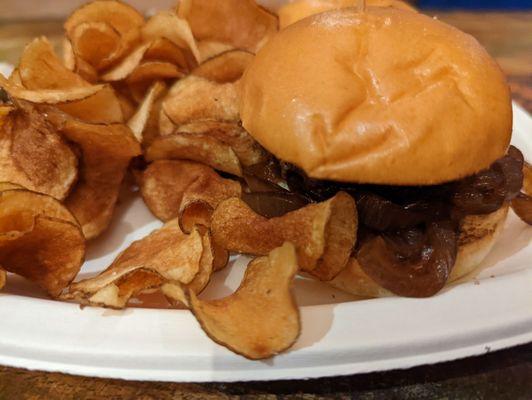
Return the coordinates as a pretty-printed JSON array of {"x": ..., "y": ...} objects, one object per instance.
[
  {"x": 166, "y": 24},
  {"x": 247, "y": 149},
  {"x": 169, "y": 188},
  {"x": 41, "y": 69},
  {"x": 106, "y": 152},
  {"x": 150, "y": 71},
  {"x": 102, "y": 107},
  {"x": 14, "y": 199},
  {"x": 196, "y": 98},
  {"x": 209, "y": 49},
  {"x": 37, "y": 243},
  {"x": 162, "y": 49},
  {"x": 100, "y": 44},
  {"x": 166, "y": 256},
  {"x": 225, "y": 67},
  {"x": 241, "y": 23},
  {"x": 127, "y": 65},
  {"x": 239, "y": 321},
  {"x": 324, "y": 234},
  {"x": 97, "y": 43},
  {"x": 33, "y": 154},
  {"x": 200, "y": 148},
  {"x": 48, "y": 96},
  {"x": 140, "y": 119}
]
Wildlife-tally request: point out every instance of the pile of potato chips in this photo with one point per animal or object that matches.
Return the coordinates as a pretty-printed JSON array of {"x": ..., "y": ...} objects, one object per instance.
[{"x": 156, "y": 99}]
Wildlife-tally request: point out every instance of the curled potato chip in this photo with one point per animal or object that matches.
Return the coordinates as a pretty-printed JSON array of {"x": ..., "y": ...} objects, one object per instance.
[
  {"x": 15, "y": 199},
  {"x": 226, "y": 67},
  {"x": 169, "y": 187},
  {"x": 106, "y": 152},
  {"x": 241, "y": 23},
  {"x": 97, "y": 43},
  {"x": 248, "y": 151},
  {"x": 196, "y": 98},
  {"x": 324, "y": 234},
  {"x": 162, "y": 49},
  {"x": 36, "y": 242},
  {"x": 127, "y": 65},
  {"x": 209, "y": 49},
  {"x": 140, "y": 119},
  {"x": 48, "y": 96},
  {"x": 149, "y": 71},
  {"x": 261, "y": 319},
  {"x": 201, "y": 148},
  {"x": 102, "y": 23},
  {"x": 40, "y": 68},
  {"x": 167, "y": 255},
  {"x": 103, "y": 107},
  {"x": 69, "y": 58},
  {"x": 33, "y": 155},
  {"x": 166, "y": 24}
]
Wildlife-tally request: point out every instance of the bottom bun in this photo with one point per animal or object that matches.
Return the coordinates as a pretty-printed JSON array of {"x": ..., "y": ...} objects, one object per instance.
[{"x": 478, "y": 234}]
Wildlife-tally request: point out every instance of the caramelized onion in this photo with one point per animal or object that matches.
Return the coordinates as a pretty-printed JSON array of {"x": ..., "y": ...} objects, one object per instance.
[
  {"x": 422, "y": 275},
  {"x": 482, "y": 193},
  {"x": 522, "y": 206},
  {"x": 511, "y": 166},
  {"x": 273, "y": 204}
]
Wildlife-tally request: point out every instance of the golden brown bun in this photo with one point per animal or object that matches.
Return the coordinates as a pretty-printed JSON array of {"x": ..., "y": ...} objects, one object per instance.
[
  {"x": 385, "y": 97},
  {"x": 478, "y": 234},
  {"x": 296, "y": 10}
]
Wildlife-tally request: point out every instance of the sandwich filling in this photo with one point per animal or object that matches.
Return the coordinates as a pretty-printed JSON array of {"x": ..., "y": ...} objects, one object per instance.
[{"x": 407, "y": 238}]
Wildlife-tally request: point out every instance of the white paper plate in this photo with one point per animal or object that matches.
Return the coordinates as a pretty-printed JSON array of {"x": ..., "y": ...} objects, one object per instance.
[{"x": 340, "y": 336}]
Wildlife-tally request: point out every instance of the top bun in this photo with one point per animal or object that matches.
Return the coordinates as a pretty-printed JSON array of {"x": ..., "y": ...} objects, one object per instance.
[
  {"x": 296, "y": 10},
  {"x": 383, "y": 97}
]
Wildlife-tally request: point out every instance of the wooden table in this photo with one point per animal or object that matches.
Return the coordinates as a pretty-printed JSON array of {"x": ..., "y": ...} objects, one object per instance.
[{"x": 502, "y": 375}]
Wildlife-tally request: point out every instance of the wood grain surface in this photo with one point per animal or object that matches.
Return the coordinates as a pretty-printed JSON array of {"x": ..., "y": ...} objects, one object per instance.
[{"x": 501, "y": 375}]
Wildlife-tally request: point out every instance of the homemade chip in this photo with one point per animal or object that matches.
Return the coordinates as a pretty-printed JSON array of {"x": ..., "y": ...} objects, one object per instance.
[
  {"x": 103, "y": 107},
  {"x": 201, "y": 148},
  {"x": 149, "y": 71},
  {"x": 248, "y": 151},
  {"x": 241, "y": 23},
  {"x": 37, "y": 243},
  {"x": 226, "y": 67},
  {"x": 138, "y": 122},
  {"x": 324, "y": 234},
  {"x": 106, "y": 153},
  {"x": 196, "y": 98},
  {"x": 169, "y": 187},
  {"x": 162, "y": 49},
  {"x": 33, "y": 155},
  {"x": 40, "y": 69},
  {"x": 48, "y": 96},
  {"x": 166, "y": 24},
  {"x": 209, "y": 49},
  {"x": 261, "y": 319},
  {"x": 522, "y": 204},
  {"x": 167, "y": 255},
  {"x": 97, "y": 43},
  {"x": 69, "y": 58},
  {"x": 127, "y": 65},
  {"x": 14, "y": 199},
  {"x": 94, "y": 28}
]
